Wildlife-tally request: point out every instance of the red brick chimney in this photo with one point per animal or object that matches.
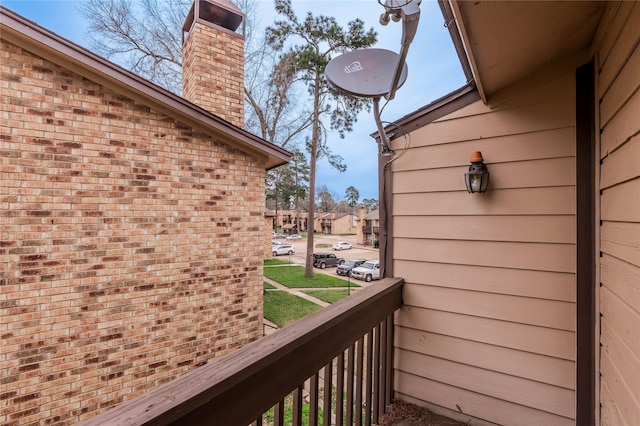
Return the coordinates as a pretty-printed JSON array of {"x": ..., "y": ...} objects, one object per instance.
[{"x": 213, "y": 58}]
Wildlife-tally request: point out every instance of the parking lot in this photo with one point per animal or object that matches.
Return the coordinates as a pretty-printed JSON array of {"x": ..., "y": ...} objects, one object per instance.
[{"x": 357, "y": 252}]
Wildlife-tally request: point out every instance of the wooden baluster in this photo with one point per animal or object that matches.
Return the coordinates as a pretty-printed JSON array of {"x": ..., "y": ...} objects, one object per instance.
[
  {"x": 313, "y": 400},
  {"x": 340, "y": 389},
  {"x": 359, "y": 375},
  {"x": 368, "y": 383},
  {"x": 328, "y": 383},
  {"x": 297, "y": 405},
  {"x": 383, "y": 369},
  {"x": 350, "y": 362},
  {"x": 278, "y": 413},
  {"x": 376, "y": 375},
  {"x": 389, "y": 376}
]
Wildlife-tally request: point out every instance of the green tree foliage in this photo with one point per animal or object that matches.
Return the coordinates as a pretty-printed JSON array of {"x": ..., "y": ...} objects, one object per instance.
[
  {"x": 352, "y": 195},
  {"x": 299, "y": 169},
  {"x": 287, "y": 185},
  {"x": 311, "y": 43},
  {"x": 370, "y": 203}
]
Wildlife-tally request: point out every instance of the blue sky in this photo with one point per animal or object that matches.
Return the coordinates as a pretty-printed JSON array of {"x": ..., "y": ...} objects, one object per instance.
[{"x": 434, "y": 71}]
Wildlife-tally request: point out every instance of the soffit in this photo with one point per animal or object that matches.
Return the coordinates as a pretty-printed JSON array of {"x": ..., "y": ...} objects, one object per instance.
[{"x": 507, "y": 40}]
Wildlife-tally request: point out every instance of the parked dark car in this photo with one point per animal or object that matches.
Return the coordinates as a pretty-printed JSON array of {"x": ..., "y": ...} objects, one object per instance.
[
  {"x": 348, "y": 265},
  {"x": 322, "y": 260}
]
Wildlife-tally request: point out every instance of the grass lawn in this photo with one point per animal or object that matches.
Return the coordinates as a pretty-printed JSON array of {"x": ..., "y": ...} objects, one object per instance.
[
  {"x": 268, "y": 286},
  {"x": 293, "y": 277},
  {"x": 329, "y": 296},
  {"x": 272, "y": 262},
  {"x": 283, "y": 308}
]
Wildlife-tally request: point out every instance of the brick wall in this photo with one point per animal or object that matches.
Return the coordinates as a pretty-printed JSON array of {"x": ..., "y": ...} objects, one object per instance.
[
  {"x": 268, "y": 237},
  {"x": 344, "y": 225},
  {"x": 131, "y": 245},
  {"x": 362, "y": 212},
  {"x": 213, "y": 71}
]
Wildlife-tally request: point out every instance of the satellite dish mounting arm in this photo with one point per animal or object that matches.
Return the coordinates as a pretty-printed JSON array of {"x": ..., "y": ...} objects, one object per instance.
[
  {"x": 410, "y": 15},
  {"x": 384, "y": 139}
]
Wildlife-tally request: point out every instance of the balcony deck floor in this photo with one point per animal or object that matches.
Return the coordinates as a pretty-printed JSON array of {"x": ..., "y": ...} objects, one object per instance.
[{"x": 404, "y": 414}]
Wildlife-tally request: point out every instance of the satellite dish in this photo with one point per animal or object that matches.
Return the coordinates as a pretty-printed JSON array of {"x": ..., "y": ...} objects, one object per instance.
[{"x": 365, "y": 72}]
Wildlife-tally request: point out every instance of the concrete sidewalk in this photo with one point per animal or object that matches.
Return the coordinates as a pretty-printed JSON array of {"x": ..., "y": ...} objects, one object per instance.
[
  {"x": 297, "y": 292},
  {"x": 270, "y": 327}
]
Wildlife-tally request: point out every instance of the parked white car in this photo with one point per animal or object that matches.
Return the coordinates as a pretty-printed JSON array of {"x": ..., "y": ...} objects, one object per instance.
[
  {"x": 294, "y": 237},
  {"x": 283, "y": 249},
  {"x": 341, "y": 246},
  {"x": 369, "y": 270}
]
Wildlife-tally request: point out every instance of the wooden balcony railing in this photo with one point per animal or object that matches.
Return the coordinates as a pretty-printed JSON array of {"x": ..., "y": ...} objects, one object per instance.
[
  {"x": 371, "y": 229},
  {"x": 338, "y": 360}
]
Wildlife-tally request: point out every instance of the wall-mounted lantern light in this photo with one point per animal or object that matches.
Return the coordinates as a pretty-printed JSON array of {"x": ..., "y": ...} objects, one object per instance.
[{"x": 477, "y": 178}]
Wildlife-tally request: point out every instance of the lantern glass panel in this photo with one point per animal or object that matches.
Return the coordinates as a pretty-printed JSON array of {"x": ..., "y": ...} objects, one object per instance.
[{"x": 476, "y": 181}]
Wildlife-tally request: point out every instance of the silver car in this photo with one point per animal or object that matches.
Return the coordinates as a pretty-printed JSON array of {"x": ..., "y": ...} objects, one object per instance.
[
  {"x": 283, "y": 249},
  {"x": 341, "y": 246},
  {"x": 368, "y": 271}
]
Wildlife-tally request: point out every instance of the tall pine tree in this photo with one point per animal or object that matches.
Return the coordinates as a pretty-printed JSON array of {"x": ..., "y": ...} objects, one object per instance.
[{"x": 312, "y": 43}]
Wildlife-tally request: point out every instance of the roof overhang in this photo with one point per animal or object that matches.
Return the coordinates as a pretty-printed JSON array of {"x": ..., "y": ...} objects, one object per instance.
[
  {"x": 500, "y": 42},
  {"x": 48, "y": 45}
]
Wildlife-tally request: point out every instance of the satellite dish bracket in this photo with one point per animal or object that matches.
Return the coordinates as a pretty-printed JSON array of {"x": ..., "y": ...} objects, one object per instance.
[
  {"x": 410, "y": 15},
  {"x": 368, "y": 72},
  {"x": 384, "y": 139}
]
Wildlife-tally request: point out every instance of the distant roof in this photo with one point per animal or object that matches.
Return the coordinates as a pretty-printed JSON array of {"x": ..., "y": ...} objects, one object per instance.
[
  {"x": 373, "y": 215},
  {"x": 48, "y": 45},
  {"x": 341, "y": 215}
]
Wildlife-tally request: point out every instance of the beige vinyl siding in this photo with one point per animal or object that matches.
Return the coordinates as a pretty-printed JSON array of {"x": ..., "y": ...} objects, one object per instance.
[
  {"x": 619, "y": 299},
  {"x": 487, "y": 330}
]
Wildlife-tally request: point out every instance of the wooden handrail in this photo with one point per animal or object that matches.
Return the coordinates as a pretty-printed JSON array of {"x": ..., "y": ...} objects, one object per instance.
[{"x": 237, "y": 388}]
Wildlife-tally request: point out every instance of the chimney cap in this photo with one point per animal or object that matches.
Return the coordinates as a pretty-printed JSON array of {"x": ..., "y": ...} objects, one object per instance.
[{"x": 222, "y": 13}]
